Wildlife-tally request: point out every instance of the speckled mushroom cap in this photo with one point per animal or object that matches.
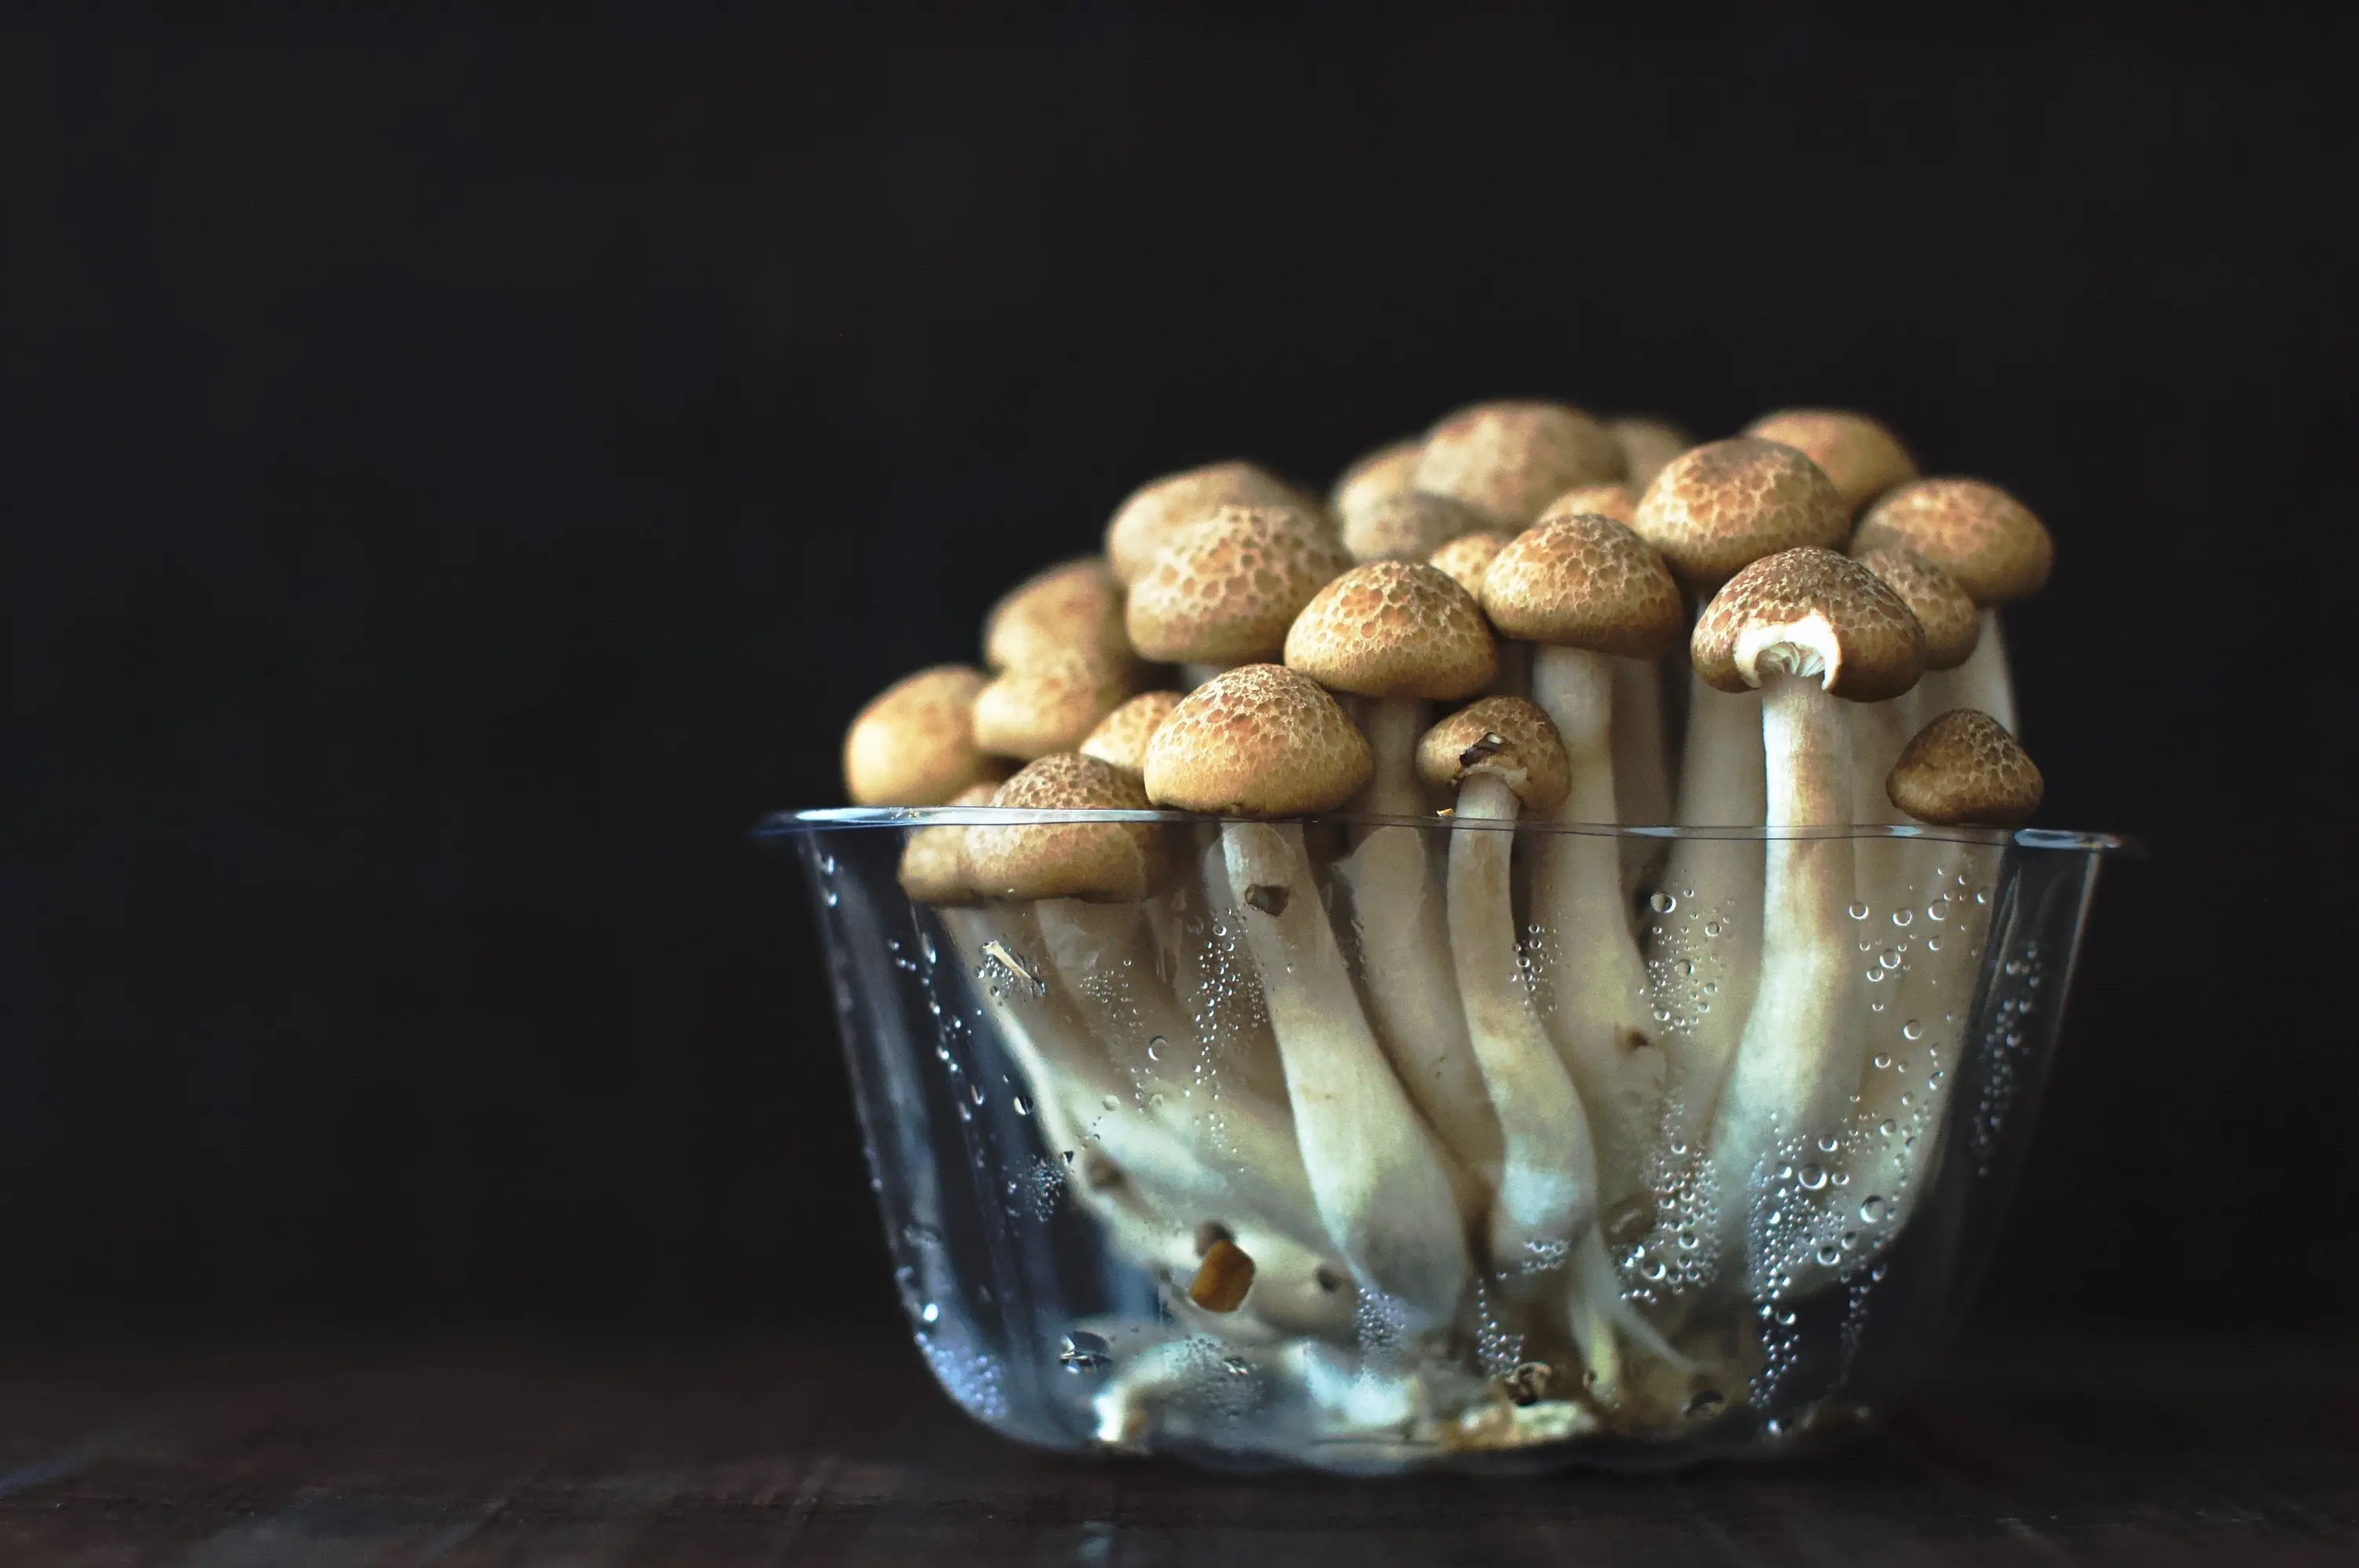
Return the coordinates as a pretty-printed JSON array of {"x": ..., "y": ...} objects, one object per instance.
[
  {"x": 1823, "y": 614},
  {"x": 1977, "y": 533},
  {"x": 934, "y": 862},
  {"x": 1373, "y": 477},
  {"x": 1647, "y": 448},
  {"x": 914, "y": 744},
  {"x": 1618, "y": 502},
  {"x": 1465, "y": 558},
  {"x": 1507, "y": 737},
  {"x": 1719, "y": 507},
  {"x": 1507, "y": 460},
  {"x": 1108, "y": 861},
  {"x": 1859, "y": 454},
  {"x": 1224, "y": 591},
  {"x": 1121, "y": 736},
  {"x": 1952, "y": 625},
  {"x": 1260, "y": 740},
  {"x": 1585, "y": 582},
  {"x": 1076, "y": 604},
  {"x": 1964, "y": 770},
  {"x": 1050, "y": 704},
  {"x": 1409, "y": 526},
  {"x": 1394, "y": 629},
  {"x": 1156, "y": 511}
]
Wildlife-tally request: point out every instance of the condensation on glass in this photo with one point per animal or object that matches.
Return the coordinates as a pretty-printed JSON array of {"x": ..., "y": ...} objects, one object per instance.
[{"x": 1111, "y": 1231}]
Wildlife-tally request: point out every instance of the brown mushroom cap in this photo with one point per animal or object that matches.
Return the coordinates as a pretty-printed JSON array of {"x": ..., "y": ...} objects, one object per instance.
[
  {"x": 1155, "y": 512},
  {"x": 1618, "y": 502},
  {"x": 1465, "y": 558},
  {"x": 1862, "y": 457},
  {"x": 1507, "y": 737},
  {"x": 1862, "y": 639},
  {"x": 1102, "y": 860},
  {"x": 1375, "y": 476},
  {"x": 1647, "y": 448},
  {"x": 1051, "y": 705},
  {"x": 934, "y": 862},
  {"x": 1394, "y": 629},
  {"x": 914, "y": 744},
  {"x": 1260, "y": 740},
  {"x": 1585, "y": 582},
  {"x": 1409, "y": 526},
  {"x": 1121, "y": 736},
  {"x": 1977, "y": 533},
  {"x": 1077, "y": 604},
  {"x": 1719, "y": 507},
  {"x": 1224, "y": 591},
  {"x": 1964, "y": 770},
  {"x": 1507, "y": 460},
  {"x": 1952, "y": 625}
]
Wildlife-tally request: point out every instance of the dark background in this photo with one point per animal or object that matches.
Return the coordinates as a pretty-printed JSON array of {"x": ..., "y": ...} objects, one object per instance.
[{"x": 456, "y": 476}]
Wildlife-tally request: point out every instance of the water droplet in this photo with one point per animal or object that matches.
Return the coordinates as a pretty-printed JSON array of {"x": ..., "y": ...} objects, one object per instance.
[
  {"x": 975, "y": 1091},
  {"x": 1913, "y": 1030},
  {"x": 1082, "y": 1351},
  {"x": 1713, "y": 927},
  {"x": 1155, "y": 1048},
  {"x": 1874, "y": 975},
  {"x": 1661, "y": 903},
  {"x": 1885, "y": 1127},
  {"x": 1890, "y": 958},
  {"x": 1829, "y": 1255},
  {"x": 1687, "y": 1239},
  {"x": 1711, "y": 987},
  {"x": 1932, "y": 944},
  {"x": 929, "y": 1313},
  {"x": 832, "y": 900},
  {"x": 1811, "y": 1178},
  {"x": 1901, "y": 917},
  {"x": 1023, "y": 1105},
  {"x": 1872, "y": 1210},
  {"x": 1980, "y": 897},
  {"x": 1111, "y": 1103},
  {"x": 1652, "y": 1267},
  {"x": 1939, "y": 909},
  {"x": 1858, "y": 911}
]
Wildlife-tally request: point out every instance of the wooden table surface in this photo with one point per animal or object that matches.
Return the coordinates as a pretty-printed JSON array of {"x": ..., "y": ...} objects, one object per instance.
[{"x": 840, "y": 1451}]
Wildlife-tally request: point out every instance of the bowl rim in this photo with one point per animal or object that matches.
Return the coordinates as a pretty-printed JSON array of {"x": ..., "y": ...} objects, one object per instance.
[{"x": 795, "y": 824}]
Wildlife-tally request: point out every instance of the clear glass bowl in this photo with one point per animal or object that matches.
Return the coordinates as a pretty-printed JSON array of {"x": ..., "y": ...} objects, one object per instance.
[{"x": 1260, "y": 1179}]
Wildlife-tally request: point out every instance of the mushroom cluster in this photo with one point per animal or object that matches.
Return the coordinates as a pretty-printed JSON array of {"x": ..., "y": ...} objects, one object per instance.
[{"x": 1396, "y": 1055}]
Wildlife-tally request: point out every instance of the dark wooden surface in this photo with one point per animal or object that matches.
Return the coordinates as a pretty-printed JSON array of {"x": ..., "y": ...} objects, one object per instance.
[{"x": 839, "y": 1451}]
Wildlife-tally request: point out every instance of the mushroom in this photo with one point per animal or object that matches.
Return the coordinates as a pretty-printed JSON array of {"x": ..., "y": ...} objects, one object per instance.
[
  {"x": 1409, "y": 526},
  {"x": 1224, "y": 591},
  {"x": 1648, "y": 446},
  {"x": 914, "y": 744},
  {"x": 1862, "y": 457},
  {"x": 1121, "y": 736},
  {"x": 1465, "y": 558},
  {"x": 1051, "y": 703},
  {"x": 1618, "y": 502},
  {"x": 1642, "y": 763},
  {"x": 1401, "y": 635},
  {"x": 1996, "y": 550},
  {"x": 1713, "y": 511},
  {"x": 1964, "y": 770},
  {"x": 1507, "y": 460},
  {"x": 1590, "y": 594},
  {"x": 1503, "y": 756},
  {"x": 1158, "y": 511},
  {"x": 1073, "y": 605},
  {"x": 1808, "y": 629},
  {"x": 1374, "y": 477},
  {"x": 1266, "y": 742},
  {"x": 1880, "y": 728}
]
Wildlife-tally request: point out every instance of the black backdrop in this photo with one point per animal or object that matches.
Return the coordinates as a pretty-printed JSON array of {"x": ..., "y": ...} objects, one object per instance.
[{"x": 457, "y": 476}]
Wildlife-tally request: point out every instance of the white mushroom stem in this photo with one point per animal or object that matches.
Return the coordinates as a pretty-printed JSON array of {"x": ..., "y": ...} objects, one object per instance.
[
  {"x": 1192, "y": 675},
  {"x": 1405, "y": 969},
  {"x": 1131, "y": 1016},
  {"x": 1603, "y": 1013},
  {"x": 1878, "y": 733},
  {"x": 1798, "y": 1061},
  {"x": 1642, "y": 767},
  {"x": 1721, "y": 785},
  {"x": 1380, "y": 1180},
  {"x": 1983, "y": 683},
  {"x": 1545, "y": 1215}
]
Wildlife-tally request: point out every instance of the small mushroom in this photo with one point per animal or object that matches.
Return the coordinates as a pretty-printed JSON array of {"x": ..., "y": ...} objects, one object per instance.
[
  {"x": 1591, "y": 594},
  {"x": 1879, "y": 730},
  {"x": 1648, "y": 446},
  {"x": 1051, "y": 703},
  {"x": 934, "y": 862},
  {"x": 1224, "y": 591},
  {"x": 1159, "y": 512},
  {"x": 914, "y": 744},
  {"x": 1398, "y": 634},
  {"x": 1809, "y": 628},
  {"x": 1996, "y": 550},
  {"x": 1642, "y": 763},
  {"x": 1618, "y": 502},
  {"x": 1862, "y": 457},
  {"x": 1409, "y": 526},
  {"x": 1076, "y": 605},
  {"x": 1507, "y": 460},
  {"x": 1373, "y": 477},
  {"x": 1465, "y": 558},
  {"x": 1122, "y": 736},
  {"x": 1964, "y": 770},
  {"x": 1266, "y": 742}
]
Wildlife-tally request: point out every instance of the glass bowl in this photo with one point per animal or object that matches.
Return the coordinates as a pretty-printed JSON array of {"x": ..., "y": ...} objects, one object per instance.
[{"x": 1373, "y": 1144}]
